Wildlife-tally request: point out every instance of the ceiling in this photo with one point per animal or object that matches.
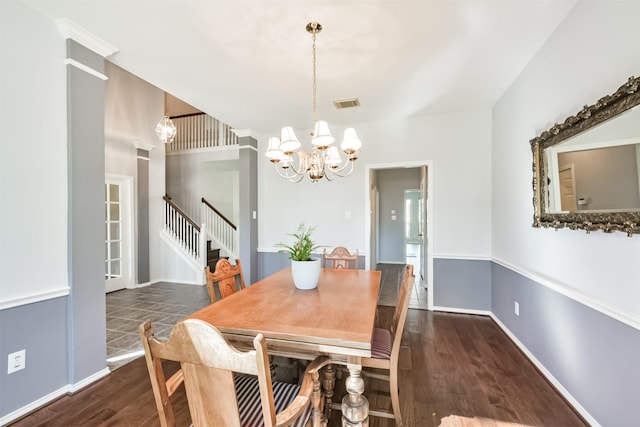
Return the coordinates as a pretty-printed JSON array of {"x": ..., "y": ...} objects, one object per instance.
[{"x": 248, "y": 62}]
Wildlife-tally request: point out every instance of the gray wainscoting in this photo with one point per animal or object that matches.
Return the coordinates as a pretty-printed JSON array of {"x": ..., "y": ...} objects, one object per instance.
[
  {"x": 462, "y": 284},
  {"x": 270, "y": 262},
  {"x": 596, "y": 358},
  {"x": 40, "y": 329}
]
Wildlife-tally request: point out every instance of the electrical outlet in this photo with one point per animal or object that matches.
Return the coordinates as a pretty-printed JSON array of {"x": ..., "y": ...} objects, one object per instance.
[
  {"x": 516, "y": 308},
  {"x": 16, "y": 361}
]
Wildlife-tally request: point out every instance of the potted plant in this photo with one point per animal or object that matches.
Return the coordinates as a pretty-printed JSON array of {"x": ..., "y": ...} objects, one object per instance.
[{"x": 304, "y": 269}]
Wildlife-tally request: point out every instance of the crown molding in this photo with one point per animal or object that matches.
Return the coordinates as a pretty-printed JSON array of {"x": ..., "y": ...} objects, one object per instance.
[
  {"x": 241, "y": 132},
  {"x": 71, "y": 30},
  {"x": 142, "y": 145}
]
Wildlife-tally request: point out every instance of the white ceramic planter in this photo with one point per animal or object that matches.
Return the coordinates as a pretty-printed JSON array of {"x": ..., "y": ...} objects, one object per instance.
[{"x": 306, "y": 273}]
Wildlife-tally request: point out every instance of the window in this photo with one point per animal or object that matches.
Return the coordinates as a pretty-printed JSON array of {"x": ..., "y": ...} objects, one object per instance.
[{"x": 113, "y": 225}]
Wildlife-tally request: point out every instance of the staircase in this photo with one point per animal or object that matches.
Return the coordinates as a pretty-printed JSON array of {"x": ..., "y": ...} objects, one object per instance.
[
  {"x": 195, "y": 243},
  {"x": 219, "y": 228},
  {"x": 216, "y": 237},
  {"x": 213, "y": 255}
]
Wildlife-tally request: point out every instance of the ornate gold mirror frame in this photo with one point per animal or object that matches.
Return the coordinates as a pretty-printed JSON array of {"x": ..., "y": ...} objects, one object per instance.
[{"x": 625, "y": 98}]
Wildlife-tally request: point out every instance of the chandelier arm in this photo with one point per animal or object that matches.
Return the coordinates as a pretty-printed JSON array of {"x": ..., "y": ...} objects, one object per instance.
[
  {"x": 338, "y": 172},
  {"x": 295, "y": 178},
  {"x": 284, "y": 175},
  {"x": 295, "y": 181}
]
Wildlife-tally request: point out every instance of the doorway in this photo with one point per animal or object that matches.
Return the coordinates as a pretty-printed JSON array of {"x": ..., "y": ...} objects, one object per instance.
[
  {"x": 118, "y": 272},
  {"x": 399, "y": 221},
  {"x": 413, "y": 224}
]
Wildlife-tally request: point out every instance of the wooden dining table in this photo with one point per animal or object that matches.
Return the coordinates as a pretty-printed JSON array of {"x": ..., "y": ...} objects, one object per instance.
[{"x": 335, "y": 319}]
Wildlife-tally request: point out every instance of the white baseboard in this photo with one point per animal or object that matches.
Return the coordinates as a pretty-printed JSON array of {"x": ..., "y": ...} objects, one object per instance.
[
  {"x": 563, "y": 391},
  {"x": 462, "y": 310},
  {"x": 186, "y": 282},
  {"x": 139, "y": 285},
  {"x": 90, "y": 379},
  {"x": 37, "y": 404}
]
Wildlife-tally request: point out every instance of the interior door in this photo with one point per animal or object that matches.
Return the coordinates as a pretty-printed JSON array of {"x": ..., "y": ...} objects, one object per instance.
[
  {"x": 568, "y": 189},
  {"x": 118, "y": 234}
]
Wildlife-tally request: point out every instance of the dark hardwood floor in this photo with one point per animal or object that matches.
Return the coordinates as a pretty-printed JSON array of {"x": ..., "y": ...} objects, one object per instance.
[{"x": 455, "y": 370}]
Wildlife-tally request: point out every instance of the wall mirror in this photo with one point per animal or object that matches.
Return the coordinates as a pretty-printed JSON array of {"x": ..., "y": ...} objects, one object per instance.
[{"x": 586, "y": 170}]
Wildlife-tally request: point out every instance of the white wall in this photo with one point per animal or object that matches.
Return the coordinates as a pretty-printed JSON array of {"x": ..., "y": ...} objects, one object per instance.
[
  {"x": 220, "y": 188},
  {"x": 213, "y": 175},
  {"x": 459, "y": 144},
  {"x": 33, "y": 158},
  {"x": 590, "y": 55}
]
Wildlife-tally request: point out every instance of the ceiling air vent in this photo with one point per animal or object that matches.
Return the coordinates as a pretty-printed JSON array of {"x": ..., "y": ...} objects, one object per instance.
[{"x": 346, "y": 103}]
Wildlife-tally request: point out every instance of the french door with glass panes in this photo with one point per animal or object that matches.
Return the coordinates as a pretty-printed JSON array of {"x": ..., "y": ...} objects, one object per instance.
[{"x": 118, "y": 234}]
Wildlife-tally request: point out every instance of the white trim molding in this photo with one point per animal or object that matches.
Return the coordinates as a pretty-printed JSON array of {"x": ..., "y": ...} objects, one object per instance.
[
  {"x": 575, "y": 294},
  {"x": 247, "y": 147},
  {"x": 71, "y": 30},
  {"x": 33, "y": 298},
  {"x": 241, "y": 132},
  {"x": 44, "y": 400},
  {"x": 85, "y": 68},
  {"x": 463, "y": 257},
  {"x": 142, "y": 145},
  {"x": 462, "y": 310}
]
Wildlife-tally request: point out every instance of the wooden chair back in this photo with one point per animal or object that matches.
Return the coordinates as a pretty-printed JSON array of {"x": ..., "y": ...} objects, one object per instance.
[
  {"x": 208, "y": 363},
  {"x": 402, "y": 303},
  {"x": 396, "y": 330},
  {"x": 339, "y": 257},
  {"x": 228, "y": 277}
]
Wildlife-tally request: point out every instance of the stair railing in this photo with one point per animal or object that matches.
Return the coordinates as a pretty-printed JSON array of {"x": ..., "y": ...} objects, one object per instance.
[
  {"x": 188, "y": 235},
  {"x": 220, "y": 228},
  {"x": 198, "y": 131}
]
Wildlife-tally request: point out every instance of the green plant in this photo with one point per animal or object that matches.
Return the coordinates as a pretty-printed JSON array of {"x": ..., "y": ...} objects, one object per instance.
[{"x": 303, "y": 246}]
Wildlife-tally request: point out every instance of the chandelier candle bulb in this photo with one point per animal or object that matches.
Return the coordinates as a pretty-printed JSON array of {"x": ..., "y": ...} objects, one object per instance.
[
  {"x": 273, "y": 150},
  {"x": 322, "y": 136},
  {"x": 288, "y": 141}
]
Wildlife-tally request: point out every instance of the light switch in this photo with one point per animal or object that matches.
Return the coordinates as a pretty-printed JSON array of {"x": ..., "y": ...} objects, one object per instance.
[{"x": 347, "y": 214}]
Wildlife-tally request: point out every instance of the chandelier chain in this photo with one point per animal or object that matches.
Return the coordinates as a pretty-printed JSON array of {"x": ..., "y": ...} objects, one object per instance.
[{"x": 315, "y": 113}]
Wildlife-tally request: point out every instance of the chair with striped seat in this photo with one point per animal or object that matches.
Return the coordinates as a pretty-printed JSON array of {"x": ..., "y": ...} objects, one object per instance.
[
  {"x": 385, "y": 346},
  {"x": 227, "y": 276},
  {"x": 224, "y": 386}
]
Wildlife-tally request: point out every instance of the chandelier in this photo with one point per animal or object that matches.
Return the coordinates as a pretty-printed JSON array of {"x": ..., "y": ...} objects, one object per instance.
[
  {"x": 324, "y": 161},
  {"x": 165, "y": 128}
]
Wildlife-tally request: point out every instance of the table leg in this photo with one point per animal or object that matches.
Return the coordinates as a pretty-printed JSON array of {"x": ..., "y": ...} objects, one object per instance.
[
  {"x": 355, "y": 407},
  {"x": 328, "y": 385}
]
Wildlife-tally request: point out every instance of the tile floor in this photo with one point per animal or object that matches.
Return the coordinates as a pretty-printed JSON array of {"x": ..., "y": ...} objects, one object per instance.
[
  {"x": 165, "y": 304},
  {"x": 162, "y": 303}
]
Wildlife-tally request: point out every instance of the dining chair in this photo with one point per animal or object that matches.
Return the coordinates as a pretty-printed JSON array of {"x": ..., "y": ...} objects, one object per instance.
[
  {"x": 227, "y": 276},
  {"x": 339, "y": 257},
  {"x": 224, "y": 386},
  {"x": 385, "y": 346}
]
